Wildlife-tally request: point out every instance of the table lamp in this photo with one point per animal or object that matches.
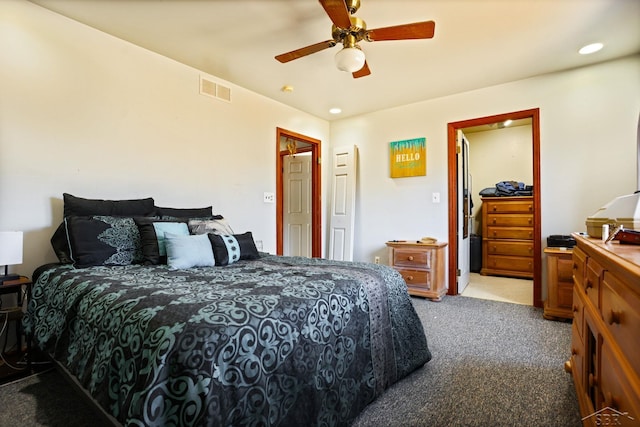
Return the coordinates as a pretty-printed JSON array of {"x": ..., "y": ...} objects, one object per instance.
[{"x": 10, "y": 252}]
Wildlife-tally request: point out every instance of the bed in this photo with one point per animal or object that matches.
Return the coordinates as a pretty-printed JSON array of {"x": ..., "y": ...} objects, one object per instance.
[{"x": 257, "y": 340}]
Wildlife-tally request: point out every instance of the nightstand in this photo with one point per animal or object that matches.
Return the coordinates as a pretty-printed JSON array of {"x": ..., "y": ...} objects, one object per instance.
[
  {"x": 421, "y": 266},
  {"x": 558, "y": 304},
  {"x": 21, "y": 287}
]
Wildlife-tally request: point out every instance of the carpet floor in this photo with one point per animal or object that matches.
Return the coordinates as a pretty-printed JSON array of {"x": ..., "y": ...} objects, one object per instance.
[{"x": 494, "y": 364}]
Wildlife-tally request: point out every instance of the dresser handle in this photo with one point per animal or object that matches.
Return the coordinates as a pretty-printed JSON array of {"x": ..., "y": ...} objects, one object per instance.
[
  {"x": 530, "y": 208},
  {"x": 495, "y": 220},
  {"x": 593, "y": 381},
  {"x": 409, "y": 278},
  {"x": 410, "y": 257},
  {"x": 495, "y": 208},
  {"x": 530, "y": 220},
  {"x": 615, "y": 317},
  {"x": 588, "y": 284},
  {"x": 575, "y": 308}
]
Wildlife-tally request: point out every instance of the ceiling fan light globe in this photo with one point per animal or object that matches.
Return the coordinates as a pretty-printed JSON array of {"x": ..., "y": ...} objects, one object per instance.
[{"x": 350, "y": 59}]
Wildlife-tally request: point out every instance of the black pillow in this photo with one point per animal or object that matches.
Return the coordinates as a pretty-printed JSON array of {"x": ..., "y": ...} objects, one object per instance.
[
  {"x": 228, "y": 249},
  {"x": 103, "y": 240},
  {"x": 78, "y": 206},
  {"x": 85, "y": 207},
  {"x": 151, "y": 251},
  {"x": 185, "y": 212}
]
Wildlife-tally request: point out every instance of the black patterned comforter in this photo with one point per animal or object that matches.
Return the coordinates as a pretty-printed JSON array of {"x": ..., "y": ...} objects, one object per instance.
[{"x": 276, "y": 341}]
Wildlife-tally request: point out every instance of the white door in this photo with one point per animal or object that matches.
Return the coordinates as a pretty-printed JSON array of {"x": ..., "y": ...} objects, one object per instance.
[
  {"x": 343, "y": 203},
  {"x": 464, "y": 213},
  {"x": 297, "y": 205}
]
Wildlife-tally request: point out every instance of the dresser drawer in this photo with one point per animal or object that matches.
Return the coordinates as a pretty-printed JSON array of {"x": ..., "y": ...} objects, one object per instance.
[
  {"x": 578, "y": 310},
  {"x": 412, "y": 258},
  {"x": 510, "y": 220},
  {"x": 496, "y": 247},
  {"x": 416, "y": 278},
  {"x": 577, "y": 355},
  {"x": 517, "y": 233},
  {"x": 510, "y": 263},
  {"x": 509, "y": 206},
  {"x": 621, "y": 314},
  {"x": 593, "y": 272},
  {"x": 617, "y": 391},
  {"x": 579, "y": 263}
]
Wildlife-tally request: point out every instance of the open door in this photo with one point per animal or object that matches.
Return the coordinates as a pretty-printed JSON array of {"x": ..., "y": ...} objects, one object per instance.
[
  {"x": 343, "y": 203},
  {"x": 297, "y": 220},
  {"x": 289, "y": 143},
  {"x": 464, "y": 212}
]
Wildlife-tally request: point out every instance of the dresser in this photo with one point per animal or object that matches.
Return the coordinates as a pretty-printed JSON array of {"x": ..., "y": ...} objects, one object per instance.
[
  {"x": 421, "y": 265},
  {"x": 605, "y": 344},
  {"x": 559, "y": 284},
  {"x": 507, "y": 236}
]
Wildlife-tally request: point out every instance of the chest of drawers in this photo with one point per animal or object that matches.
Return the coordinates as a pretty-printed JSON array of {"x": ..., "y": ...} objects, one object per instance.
[
  {"x": 507, "y": 236},
  {"x": 605, "y": 345},
  {"x": 422, "y": 267}
]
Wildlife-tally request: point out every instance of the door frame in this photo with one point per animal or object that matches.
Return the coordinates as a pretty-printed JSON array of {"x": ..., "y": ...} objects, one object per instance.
[
  {"x": 316, "y": 201},
  {"x": 534, "y": 115}
]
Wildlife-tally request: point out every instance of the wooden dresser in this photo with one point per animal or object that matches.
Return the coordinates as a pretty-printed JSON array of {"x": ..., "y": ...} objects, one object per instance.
[
  {"x": 507, "y": 236},
  {"x": 559, "y": 284},
  {"x": 422, "y": 267},
  {"x": 605, "y": 345}
]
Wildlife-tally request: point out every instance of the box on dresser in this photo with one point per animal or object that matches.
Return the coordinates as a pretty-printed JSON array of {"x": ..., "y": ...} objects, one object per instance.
[{"x": 605, "y": 345}]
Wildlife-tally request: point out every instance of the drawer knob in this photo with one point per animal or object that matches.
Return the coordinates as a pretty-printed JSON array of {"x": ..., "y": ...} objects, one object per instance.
[
  {"x": 593, "y": 381},
  {"x": 410, "y": 257},
  {"x": 494, "y": 220},
  {"x": 575, "y": 308},
  {"x": 588, "y": 284},
  {"x": 409, "y": 278},
  {"x": 615, "y": 317}
]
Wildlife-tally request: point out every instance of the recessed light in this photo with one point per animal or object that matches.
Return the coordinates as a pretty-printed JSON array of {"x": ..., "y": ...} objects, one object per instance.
[
  {"x": 335, "y": 110},
  {"x": 590, "y": 48}
]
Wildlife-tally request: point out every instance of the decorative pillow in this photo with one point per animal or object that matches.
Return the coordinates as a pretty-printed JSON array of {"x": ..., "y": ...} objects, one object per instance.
[
  {"x": 103, "y": 240},
  {"x": 185, "y": 212},
  {"x": 217, "y": 225},
  {"x": 78, "y": 206},
  {"x": 228, "y": 249},
  {"x": 86, "y": 207},
  {"x": 152, "y": 231},
  {"x": 188, "y": 251}
]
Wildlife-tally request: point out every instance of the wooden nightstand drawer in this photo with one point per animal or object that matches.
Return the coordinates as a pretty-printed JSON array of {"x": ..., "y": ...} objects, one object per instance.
[
  {"x": 416, "y": 277},
  {"x": 517, "y": 233},
  {"x": 412, "y": 258},
  {"x": 510, "y": 220},
  {"x": 499, "y": 247}
]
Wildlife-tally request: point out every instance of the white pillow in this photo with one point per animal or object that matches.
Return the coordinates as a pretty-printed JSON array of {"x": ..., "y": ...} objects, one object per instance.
[{"x": 188, "y": 251}]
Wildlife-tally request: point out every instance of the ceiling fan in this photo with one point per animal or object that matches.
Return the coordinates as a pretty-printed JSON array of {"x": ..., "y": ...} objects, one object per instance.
[{"x": 349, "y": 30}]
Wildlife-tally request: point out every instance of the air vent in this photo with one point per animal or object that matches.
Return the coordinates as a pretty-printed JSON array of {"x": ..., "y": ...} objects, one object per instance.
[{"x": 214, "y": 90}]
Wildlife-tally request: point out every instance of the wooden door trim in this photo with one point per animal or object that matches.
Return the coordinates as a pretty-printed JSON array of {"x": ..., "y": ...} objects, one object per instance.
[
  {"x": 534, "y": 115},
  {"x": 316, "y": 201}
]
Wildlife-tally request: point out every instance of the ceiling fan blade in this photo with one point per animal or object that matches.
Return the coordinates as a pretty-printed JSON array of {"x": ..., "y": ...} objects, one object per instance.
[
  {"x": 337, "y": 11},
  {"x": 304, "y": 51},
  {"x": 364, "y": 71},
  {"x": 417, "y": 30}
]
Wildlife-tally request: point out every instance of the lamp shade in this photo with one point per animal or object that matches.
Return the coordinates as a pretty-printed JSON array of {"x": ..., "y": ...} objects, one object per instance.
[
  {"x": 10, "y": 247},
  {"x": 350, "y": 59}
]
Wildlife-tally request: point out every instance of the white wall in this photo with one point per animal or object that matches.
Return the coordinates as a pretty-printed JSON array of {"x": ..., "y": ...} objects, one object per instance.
[
  {"x": 85, "y": 113},
  {"x": 498, "y": 155},
  {"x": 588, "y": 131}
]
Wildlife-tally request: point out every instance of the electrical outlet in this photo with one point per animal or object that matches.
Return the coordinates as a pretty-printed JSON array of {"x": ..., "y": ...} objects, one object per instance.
[
  {"x": 376, "y": 260},
  {"x": 435, "y": 197},
  {"x": 269, "y": 198}
]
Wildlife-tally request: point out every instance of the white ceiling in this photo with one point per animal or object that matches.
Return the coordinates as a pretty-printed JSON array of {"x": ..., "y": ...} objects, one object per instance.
[{"x": 477, "y": 43}]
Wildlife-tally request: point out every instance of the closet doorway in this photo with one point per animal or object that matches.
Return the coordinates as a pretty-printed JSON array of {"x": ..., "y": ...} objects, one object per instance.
[
  {"x": 298, "y": 203},
  {"x": 455, "y": 189}
]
